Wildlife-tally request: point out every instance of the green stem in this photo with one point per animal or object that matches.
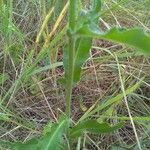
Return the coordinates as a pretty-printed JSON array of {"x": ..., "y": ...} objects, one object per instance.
[
  {"x": 72, "y": 14},
  {"x": 70, "y": 76},
  {"x": 71, "y": 53}
]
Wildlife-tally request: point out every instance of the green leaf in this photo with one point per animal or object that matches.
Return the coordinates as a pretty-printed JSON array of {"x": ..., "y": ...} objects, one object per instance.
[
  {"x": 81, "y": 55},
  {"x": 51, "y": 140},
  {"x": 93, "y": 126},
  {"x": 88, "y": 17},
  {"x": 96, "y": 6},
  {"x": 29, "y": 145},
  {"x": 135, "y": 37},
  {"x": 83, "y": 46},
  {"x": 47, "y": 128}
]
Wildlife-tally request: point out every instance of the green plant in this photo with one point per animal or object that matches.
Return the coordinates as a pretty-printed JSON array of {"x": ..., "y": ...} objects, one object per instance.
[{"x": 83, "y": 28}]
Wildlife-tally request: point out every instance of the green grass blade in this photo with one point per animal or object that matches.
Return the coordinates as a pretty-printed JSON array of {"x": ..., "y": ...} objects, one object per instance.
[{"x": 110, "y": 101}]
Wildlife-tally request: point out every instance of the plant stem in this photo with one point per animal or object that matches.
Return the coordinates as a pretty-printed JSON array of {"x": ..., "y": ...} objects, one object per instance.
[
  {"x": 70, "y": 76},
  {"x": 72, "y": 14},
  {"x": 71, "y": 53}
]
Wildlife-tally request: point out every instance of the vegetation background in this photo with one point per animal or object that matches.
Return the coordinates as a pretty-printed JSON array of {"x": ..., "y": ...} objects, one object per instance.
[{"x": 32, "y": 36}]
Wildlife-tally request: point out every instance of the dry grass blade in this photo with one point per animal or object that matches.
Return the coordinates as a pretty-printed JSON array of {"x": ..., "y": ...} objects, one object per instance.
[
  {"x": 57, "y": 23},
  {"x": 44, "y": 25}
]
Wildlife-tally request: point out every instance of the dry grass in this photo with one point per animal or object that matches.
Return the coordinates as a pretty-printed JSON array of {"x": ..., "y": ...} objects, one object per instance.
[{"x": 39, "y": 100}]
